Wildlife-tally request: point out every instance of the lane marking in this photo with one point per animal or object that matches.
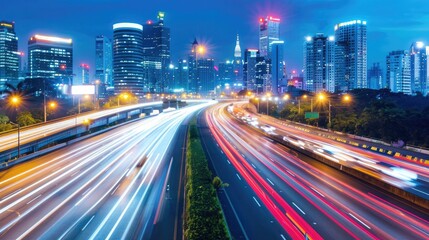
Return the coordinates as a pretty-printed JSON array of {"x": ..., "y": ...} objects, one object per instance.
[
  {"x": 34, "y": 199},
  {"x": 298, "y": 208},
  {"x": 283, "y": 237},
  {"x": 420, "y": 191},
  {"x": 253, "y": 166},
  {"x": 427, "y": 234},
  {"x": 86, "y": 225},
  {"x": 270, "y": 181},
  {"x": 114, "y": 190},
  {"x": 256, "y": 201},
  {"x": 290, "y": 173},
  {"x": 228, "y": 161},
  {"x": 317, "y": 192},
  {"x": 359, "y": 220},
  {"x": 238, "y": 176}
]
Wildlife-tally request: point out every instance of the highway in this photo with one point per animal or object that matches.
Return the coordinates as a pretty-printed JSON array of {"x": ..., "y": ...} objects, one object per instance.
[
  {"x": 407, "y": 175},
  {"x": 302, "y": 195},
  {"x": 33, "y": 133},
  {"x": 115, "y": 185}
]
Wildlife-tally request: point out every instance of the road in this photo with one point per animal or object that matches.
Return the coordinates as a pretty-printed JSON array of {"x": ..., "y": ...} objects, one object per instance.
[
  {"x": 111, "y": 186},
  {"x": 308, "y": 197}
]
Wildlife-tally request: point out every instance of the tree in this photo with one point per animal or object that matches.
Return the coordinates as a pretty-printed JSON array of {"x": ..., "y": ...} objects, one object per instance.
[
  {"x": 26, "y": 118},
  {"x": 217, "y": 182},
  {"x": 4, "y": 119}
]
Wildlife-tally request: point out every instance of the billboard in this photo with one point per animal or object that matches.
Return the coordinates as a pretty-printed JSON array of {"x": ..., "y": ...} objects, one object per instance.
[
  {"x": 83, "y": 89},
  {"x": 311, "y": 115}
]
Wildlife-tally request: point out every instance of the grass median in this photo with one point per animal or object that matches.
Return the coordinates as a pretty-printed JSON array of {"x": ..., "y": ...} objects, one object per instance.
[{"x": 204, "y": 218}]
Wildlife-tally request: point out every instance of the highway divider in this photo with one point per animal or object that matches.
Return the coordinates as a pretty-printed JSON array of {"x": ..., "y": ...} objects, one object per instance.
[{"x": 204, "y": 218}]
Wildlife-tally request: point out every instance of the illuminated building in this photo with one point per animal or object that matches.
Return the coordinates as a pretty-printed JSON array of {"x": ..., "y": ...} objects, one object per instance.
[
  {"x": 9, "y": 55},
  {"x": 226, "y": 74},
  {"x": 103, "y": 60},
  {"x": 277, "y": 67},
  {"x": 375, "y": 77},
  {"x": 418, "y": 67},
  {"x": 192, "y": 68},
  {"x": 350, "y": 55},
  {"x": 156, "y": 52},
  {"x": 263, "y": 82},
  {"x": 206, "y": 76},
  {"x": 238, "y": 63},
  {"x": 249, "y": 69},
  {"x": 51, "y": 57},
  {"x": 84, "y": 73},
  {"x": 398, "y": 72},
  {"x": 128, "y": 58},
  {"x": 268, "y": 32},
  {"x": 182, "y": 75},
  {"x": 319, "y": 59}
]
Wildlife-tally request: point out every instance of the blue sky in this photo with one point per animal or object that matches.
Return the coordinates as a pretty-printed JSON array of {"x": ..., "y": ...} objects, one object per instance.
[{"x": 392, "y": 25}]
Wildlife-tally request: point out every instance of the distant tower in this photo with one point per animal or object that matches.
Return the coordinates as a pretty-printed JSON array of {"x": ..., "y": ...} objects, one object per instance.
[
  {"x": 192, "y": 67},
  {"x": 268, "y": 32},
  {"x": 103, "y": 60},
  {"x": 238, "y": 63},
  {"x": 398, "y": 74},
  {"x": 419, "y": 69}
]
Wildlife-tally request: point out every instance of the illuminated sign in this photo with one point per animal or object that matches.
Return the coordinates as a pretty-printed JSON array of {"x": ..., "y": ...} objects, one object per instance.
[
  {"x": 53, "y": 39},
  {"x": 128, "y": 25},
  {"x": 6, "y": 25},
  {"x": 83, "y": 89}
]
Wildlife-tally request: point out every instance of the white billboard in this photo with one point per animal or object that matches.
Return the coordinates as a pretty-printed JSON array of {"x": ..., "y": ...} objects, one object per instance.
[{"x": 83, "y": 89}]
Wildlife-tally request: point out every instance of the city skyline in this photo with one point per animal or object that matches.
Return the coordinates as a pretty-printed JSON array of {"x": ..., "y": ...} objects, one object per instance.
[{"x": 386, "y": 32}]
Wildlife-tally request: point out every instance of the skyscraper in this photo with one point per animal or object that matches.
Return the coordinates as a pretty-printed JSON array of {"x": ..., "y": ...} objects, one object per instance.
[
  {"x": 9, "y": 55},
  {"x": 249, "y": 69},
  {"x": 268, "y": 32},
  {"x": 128, "y": 58},
  {"x": 103, "y": 60},
  {"x": 351, "y": 55},
  {"x": 398, "y": 71},
  {"x": 84, "y": 73},
  {"x": 156, "y": 52},
  {"x": 418, "y": 65},
  {"x": 319, "y": 55},
  {"x": 206, "y": 76},
  {"x": 226, "y": 73},
  {"x": 238, "y": 63},
  {"x": 51, "y": 57},
  {"x": 181, "y": 75},
  {"x": 375, "y": 77},
  {"x": 263, "y": 76},
  {"x": 277, "y": 66},
  {"x": 192, "y": 65}
]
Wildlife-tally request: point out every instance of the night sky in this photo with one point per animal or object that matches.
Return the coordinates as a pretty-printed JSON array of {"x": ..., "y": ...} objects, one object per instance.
[{"x": 392, "y": 25}]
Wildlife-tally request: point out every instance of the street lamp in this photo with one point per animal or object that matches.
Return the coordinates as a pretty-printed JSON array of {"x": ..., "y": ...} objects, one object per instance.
[
  {"x": 51, "y": 105},
  {"x": 257, "y": 99},
  {"x": 15, "y": 101}
]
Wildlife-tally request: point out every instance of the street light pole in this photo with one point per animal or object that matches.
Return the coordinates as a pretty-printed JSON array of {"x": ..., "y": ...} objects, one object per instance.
[
  {"x": 311, "y": 104},
  {"x": 329, "y": 113}
]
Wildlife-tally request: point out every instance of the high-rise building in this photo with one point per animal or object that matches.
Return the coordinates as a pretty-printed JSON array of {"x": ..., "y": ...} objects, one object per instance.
[
  {"x": 263, "y": 76},
  {"x": 206, "y": 76},
  {"x": 156, "y": 52},
  {"x": 84, "y": 73},
  {"x": 128, "y": 58},
  {"x": 226, "y": 74},
  {"x": 375, "y": 77},
  {"x": 238, "y": 63},
  {"x": 419, "y": 68},
  {"x": 9, "y": 55},
  {"x": 51, "y": 57},
  {"x": 351, "y": 55},
  {"x": 249, "y": 69},
  {"x": 319, "y": 56},
  {"x": 277, "y": 66},
  {"x": 103, "y": 60},
  {"x": 181, "y": 75},
  {"x": 268, "y": 32},
  {"x": 192, "y": 68},
  {"x": 398, "y": 71}
]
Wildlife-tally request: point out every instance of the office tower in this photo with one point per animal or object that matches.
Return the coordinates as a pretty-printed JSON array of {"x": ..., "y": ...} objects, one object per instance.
[
  {"x": 226, "y": 73},
  {"x": 398, "y": 71},
  {"x": 277, "y": 66},
  {"x": 156, "y": 53},
  {"x": 351, "y": 55},
  {"x": 375, "y": 77},
  {"x": 103, "y": 60},
  {"x": 192, "y": 65},
  {"x": 419, "y": 65},
  {"x": 238, "y": 63},
  {"x": 268, "y": 32},
  {"x": 181, "y": 75},
  {"x": 51, "y": 57},
  {"x": 249, "y": 70},
  {"x": 128, "y": 58},
  {"x": 206, "y": 76},
  {"x": 263, "y": 81},
  {"x": 9, "y": 55},
  {"x": 84, "y": 73},
  {"x": 319, "y": 56}
]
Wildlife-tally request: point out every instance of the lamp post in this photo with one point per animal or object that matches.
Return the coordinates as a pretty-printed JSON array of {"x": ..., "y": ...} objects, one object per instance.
[{"x": 15, "y": 101}]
